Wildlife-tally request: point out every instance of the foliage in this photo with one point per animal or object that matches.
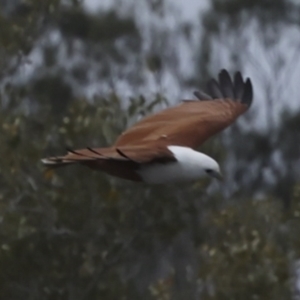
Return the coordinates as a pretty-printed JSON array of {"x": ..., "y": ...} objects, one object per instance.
[{"x": 78, "y": 234}]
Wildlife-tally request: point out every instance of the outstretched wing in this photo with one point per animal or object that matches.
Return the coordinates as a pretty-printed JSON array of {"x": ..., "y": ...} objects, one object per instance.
[
  {"x": 188, "y": 124},
  {"x": 138, "y": 154},
  {"x": 194, "y": 121}
]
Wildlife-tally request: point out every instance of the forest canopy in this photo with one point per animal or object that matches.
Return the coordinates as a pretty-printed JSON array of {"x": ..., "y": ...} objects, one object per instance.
[{"x": 72, "y": 77}]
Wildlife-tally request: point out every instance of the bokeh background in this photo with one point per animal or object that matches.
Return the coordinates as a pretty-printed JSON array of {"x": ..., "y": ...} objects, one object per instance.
[{"x": 75, "y": 74}]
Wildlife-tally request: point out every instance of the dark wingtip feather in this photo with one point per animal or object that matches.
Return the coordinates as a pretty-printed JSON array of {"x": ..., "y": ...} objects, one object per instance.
[
  {"x": 214, "y": 89},
  {"x": 236, "y": 89},
  {"x": 248, "y": 93},
  {"x": 202, "y": 96},
  {"x": 238, "y": 85},
  {"x": 226, "y": 84}
]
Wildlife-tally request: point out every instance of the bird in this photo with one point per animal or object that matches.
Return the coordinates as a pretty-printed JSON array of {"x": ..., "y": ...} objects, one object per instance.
[{"x": 162, "y": 148}]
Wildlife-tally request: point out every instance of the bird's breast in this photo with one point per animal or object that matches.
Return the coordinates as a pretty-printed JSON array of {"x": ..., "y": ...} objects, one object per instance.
[{"x": 167, "y": 173}]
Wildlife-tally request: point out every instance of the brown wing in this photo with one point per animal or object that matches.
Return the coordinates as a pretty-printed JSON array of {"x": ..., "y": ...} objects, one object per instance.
[
  {"x": 188, "y": 124},
  {"x": 193, "y": 122},
  {"x": 138, "y": 154},
  {"x": 121, "y": 162}
]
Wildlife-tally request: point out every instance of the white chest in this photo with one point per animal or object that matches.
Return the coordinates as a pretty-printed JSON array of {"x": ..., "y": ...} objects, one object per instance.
[
  {"x": 168, "y": 173},
  {"x": 189, "y": 165}
]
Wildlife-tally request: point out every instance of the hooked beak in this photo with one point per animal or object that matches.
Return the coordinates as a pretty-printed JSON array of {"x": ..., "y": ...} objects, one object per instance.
[{"x": 217, "y": 175}]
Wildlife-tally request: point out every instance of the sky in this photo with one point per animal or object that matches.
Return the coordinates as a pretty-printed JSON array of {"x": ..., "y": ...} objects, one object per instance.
[
  {"x": 189, "y": 8},
  {"x": 274, "y": 72},
  {"x": 178, "y": 12},
  {"x": 259, "y": 64}
]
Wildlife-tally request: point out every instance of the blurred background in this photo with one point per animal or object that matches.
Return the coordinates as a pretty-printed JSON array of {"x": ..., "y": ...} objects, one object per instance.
[{"x": 75, "y": 74}]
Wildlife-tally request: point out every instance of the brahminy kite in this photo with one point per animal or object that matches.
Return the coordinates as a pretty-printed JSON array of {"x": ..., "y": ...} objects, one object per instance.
[{"x": 160, "y": 148}]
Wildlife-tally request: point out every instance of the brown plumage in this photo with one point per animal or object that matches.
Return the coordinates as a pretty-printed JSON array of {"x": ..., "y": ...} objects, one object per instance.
[{"x": 188, "y": 124}]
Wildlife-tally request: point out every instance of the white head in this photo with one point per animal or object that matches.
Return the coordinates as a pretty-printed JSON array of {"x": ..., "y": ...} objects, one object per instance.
[
  {"x": 197, "y": 164},
  {"x": 210, "y": 167}
]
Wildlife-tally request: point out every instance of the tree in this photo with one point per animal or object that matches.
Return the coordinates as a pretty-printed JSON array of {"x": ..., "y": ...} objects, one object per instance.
[{"x": 77, "y": 234}]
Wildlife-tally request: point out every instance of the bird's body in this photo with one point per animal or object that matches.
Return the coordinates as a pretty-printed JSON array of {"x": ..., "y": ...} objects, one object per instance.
[
  {"x": 187, "y": 167},
  {"x": 160, "y": 148}
]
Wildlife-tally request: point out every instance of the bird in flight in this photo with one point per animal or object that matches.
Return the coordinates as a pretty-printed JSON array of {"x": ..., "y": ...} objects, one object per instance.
[{"x": 160, "y": 148}]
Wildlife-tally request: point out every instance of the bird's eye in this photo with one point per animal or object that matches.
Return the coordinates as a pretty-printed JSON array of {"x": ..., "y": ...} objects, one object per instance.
[{"x": 208, "y": 171}]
